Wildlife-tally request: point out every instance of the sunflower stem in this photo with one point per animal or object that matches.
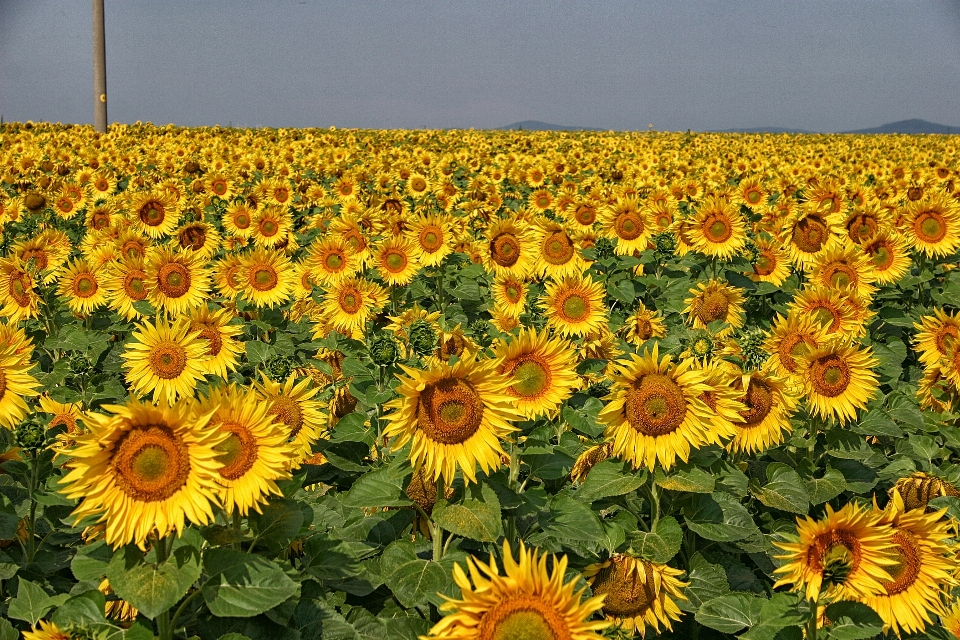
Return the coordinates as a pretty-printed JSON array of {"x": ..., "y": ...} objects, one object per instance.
[
  {"x": 164, "y": 630},
  {"x": 812, "y": 621},
  {"x": 237, "y": 530},
  {"x": 435, "y": 531},
  {"x": 654, "y": 503}
]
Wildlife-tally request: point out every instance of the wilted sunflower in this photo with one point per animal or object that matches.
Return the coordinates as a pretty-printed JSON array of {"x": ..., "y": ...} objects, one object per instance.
[
  {"x": 154, "y": 213},
  {"x": 540, "y": 371},
  {"x": 637, "y": 592},
  {"x": 165, "y": 359},
  {"x": 923, "y": 572},
  {"x": 574, "y": 305},
  {"x": 201, "y": 238},
  {"x": 510, "y": 295},
  {"x": 255, "y": 453},
  {"x": 932, "y": 226},
  {"x": 509, "y": 250},
  {"x": 655, "y": 411},
  {"x": 144, "y": 468},
  {"x": 82, "y": 288},
  {"x": 431, "y": 236},
  {"x": 839, "y": 377},
  {"x": 806, "y": 232},
  {"x": 936, "y": 335},
  {"x": 349, "y": 303},
  {"x": 395, "y": 260},
  {"x": 16, "y": 384},
  {"x": 455, "y": 415},
  {"x": 643, "y": 325},
  {"x": 717, "y": 229},
  {"x": 266, "y": 277},
  {"x": 176, "y": 282},
  {"x": 715, "y": 301},
  {"x": 890, "y": 255},
  {"x": 766, "y": 419},
  {"x": 223, "y": 348},
  {"x": 530, "y": 601},
  {"x": 625, "y": 222},
  {"x": 292, "y": 405},
  {"x": 843, "y": 556}
]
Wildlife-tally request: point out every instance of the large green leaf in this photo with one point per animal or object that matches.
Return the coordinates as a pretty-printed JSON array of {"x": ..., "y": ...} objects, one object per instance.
[
  {"x": 91, "y": 561},
  {"x": 779, "y": 612},
  {"x": 411, "y": 579},
  {"x": 241, "y": 585},
  {"x": 381, "y": 487},
  {"x": 32, "y": 602},
  {"x": 706, "y": 581},
  {"x": 570, "y": 519},
  {"x": 659, "y": 545},
  {"x": 719, "y": 517},
  {"x": 610, "y": 478},
  {"x": 852, "y": 621},
  {"x": 687, "y": 478},
  {"x": 154, "y": 588},
  {"x": 826, "y": 488},
  {"x": 784, "y": 490},
  {"x": 730, "y": 613},
  {"x": 477, "y": 517}
]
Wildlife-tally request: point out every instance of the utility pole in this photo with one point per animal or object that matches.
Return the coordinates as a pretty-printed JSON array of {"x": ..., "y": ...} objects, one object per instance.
[{"x": 99, "y": 69}]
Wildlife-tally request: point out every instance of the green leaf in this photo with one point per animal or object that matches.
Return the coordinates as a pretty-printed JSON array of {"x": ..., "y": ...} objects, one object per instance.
[
  {"x": 242, "y": 585},
  {"x": 784, "y": 490},
  {"x": 719, "y": 517},
  {"x": 778, "y": 613},
  {"x": 686, "y": 478},
  {"x": 411, "y": 579},
  {"x": 610, "y": 478},
  {"x": 876, "y": 423},
  {"x": 826, "y": 488},
  {"x": 31, "y": 603},
  {"x": 477, "y": 518},
  {"x": 86, "y": 608},
  {"x": 91, "y": 561},
  {"x": 853, "y": 621},
  {"x": 730, "y": 613},
  {"x": 659, "y": 545},
  {"x": 570, "y": 519},
  {"x": 258, "y": 352},
  {"x": 7, "y": 632},
  {"x": 279, "y": 521},
  {"x": 153, "y": 588},
  {"x": 381, "y": 487}
]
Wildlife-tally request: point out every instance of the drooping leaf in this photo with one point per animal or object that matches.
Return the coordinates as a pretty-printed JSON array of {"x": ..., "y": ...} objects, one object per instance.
[{"x": 241, "y": 585}]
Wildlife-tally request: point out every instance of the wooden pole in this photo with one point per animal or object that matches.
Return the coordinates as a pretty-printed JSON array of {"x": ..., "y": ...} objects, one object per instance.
[{"x": 99, "y": 69}]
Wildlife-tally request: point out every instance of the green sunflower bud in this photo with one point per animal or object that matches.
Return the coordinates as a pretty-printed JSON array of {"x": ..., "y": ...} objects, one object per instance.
[
  {"x": 384, "y": 349},
  {"x": 423, "y": 339}
]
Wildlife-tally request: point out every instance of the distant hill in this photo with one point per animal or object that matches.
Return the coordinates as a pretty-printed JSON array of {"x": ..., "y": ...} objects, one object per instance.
[
  {"x": 536, "y": 125},
  {"x": 909, "y": 126},
  {"x": 764, "y": 130}
]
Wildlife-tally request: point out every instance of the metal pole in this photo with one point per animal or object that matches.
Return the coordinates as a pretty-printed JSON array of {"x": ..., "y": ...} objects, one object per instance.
[{"x": 99, "y": 69}]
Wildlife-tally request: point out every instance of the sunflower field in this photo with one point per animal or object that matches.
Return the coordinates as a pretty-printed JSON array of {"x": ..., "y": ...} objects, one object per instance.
[{"x": 383, "y": 385}]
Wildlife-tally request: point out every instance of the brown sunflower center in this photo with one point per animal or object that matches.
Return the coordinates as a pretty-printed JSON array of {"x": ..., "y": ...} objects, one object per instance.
[
  {"x": 530, "y": 376},
  {"x": 241, "y": 220},
  {"x": 882, "y": 253},
  {"x": 3, "y": 383},
  {"x": 523, "y": 617},
  {"x": 219, "y": 187},
  {"x": 765, "y": 264},
  {"x": 836, "y": 554},
  {"x": 351, "y": 300},
  {"x": 585, "y": 215},
  {"x": 862, "y": 227},
  {"x": 264, "y": 277},
  {"x": 151, "y": 463},
  {"x": 717, "y": 227},
  {"x": 64, "y": 419},
  {"x": 395, "y": 261},
  {"x": 809, "y": 234},
  {"x": 449, "y": 411},
  {"x": 753, "y": 197},
  {"x": 643, "y": 328},
  {"x": 85, "y": 285},
  {"x": 655, "y": 405},
  {"x": 759, "y": 402},
  {"x": 431, "y": 238},
  {"x": 713, "y": 306},
  {"x": 791, "y": 347},
  {"x": 627, "y": 594},
  {"x": 100, "y": 219},
  {"x": 132, "y": 250},
  {"x": 628, "y": 225},
  {"x": 209, "y": 332},
  {"x": 907, "y": 555},
  {"x": 269, "y": 228},
  {"x": 830, "y": 375},
  {"x": 286, "y": 411},
  {"x": 558, "y": 248},
  {"x": 238, "y": 452},
  {"x": 168, "y": 360},
  {"x": 39, "y": 257},
  {"x": 945, "y": 337},
  {"x": 418, "y": 184},
  {"x": 20, "y": 288},
  {"x": 505, "y": 249},
  {"x": 839, "y": 275},
  {"x": 133, "y": 284},
  {"x": 452, "y": 346},
  {"x": 173, "y": 279},
  {"x": 193, "y": 238},
  {"x": 152, "y": 213},
  {"x": 930, "y": 226},
  {"x": 574, "y": 307}
]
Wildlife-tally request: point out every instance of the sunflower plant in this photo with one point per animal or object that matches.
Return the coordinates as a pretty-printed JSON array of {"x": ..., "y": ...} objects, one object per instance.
[{"x": 262, "y": 384}]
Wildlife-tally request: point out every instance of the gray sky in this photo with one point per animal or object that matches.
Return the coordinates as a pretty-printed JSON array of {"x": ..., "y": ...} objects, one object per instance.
[{"x": 818, "y": 65}]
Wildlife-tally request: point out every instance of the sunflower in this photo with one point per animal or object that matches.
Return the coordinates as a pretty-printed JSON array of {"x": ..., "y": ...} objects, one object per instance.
[
  {"x": 166, "y": 359},
  {"x": 271, "y": 226},
  {"x": 840, "y": 557},
  {"x": 223, "y": 348},
  {"x": 255, "y": 453},
  {"x": 266, "y": 278},
  {"x": 47, "y": 252},
  {"x": 16, "y": 384},
  {"x": 540, "y": 371},
  {"x": 830, "y": 308},
  {"x": 950, "y": 621},
  {"x": 332, "y": 260},
  {"x": 790, "y": 339},
  {"x": 455, "y": 415},
  {"x": 772, "y": 263},
  {"x": 348, "y": 229},
  {"x": 238, "y": 220},
  {"x": 293, "y": 406},
  {"x": 529, "y": 601},
  {"x": 509, "y": 251},
  {"x": 131, "y": 245},
  {"x": 431, "y": 237},
  {"x": 101, "y": 217},
  {"x": 64, "y": 414},
  {"x": 950, "y": 366},
  {"x": 176, "y": 282},
  {"x": 350, "y": 302},
  {"x": 124, "y": 284},
  {"x": 582, "y": 214},
  {"x": 14, "y": 341},
  {"x": 766, "y": 419},
  {"x": 924, "y": 569},
  {"x": 395, "y": 260},
  {"x": 805, "y": 233},
  {"x": 626, "y": 223},
  {"x": 48, "y": 631},
  {"x": 17, "y": 295},
  {"x": 864, "y": 223},
  {"x": 155, "y": 212},
  {"x": 643, "y": 325},
  {"x": 145, "y": 468},
  {"x": 935, "y": 336},
  {"x": 82, "y": 288},
  {"x": 843, "y": 267},
  {"x": 199, "y": 237},
  {"x": 655, "y": 411},
  {"x": 103, "y": 184},
  {"x": 717, "y": 229},
  {"x": 932, "y": 226},
  {"x": 715, "y": 301},
  {"x": 890, "y": 256},
  {"x": 838, "y": 378},
  {"x": 558, "y": 255},
  {"x": 637, "y": 592},
  {"x": 574, "y": 305},
  {"x": 510, "y": 295}
]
